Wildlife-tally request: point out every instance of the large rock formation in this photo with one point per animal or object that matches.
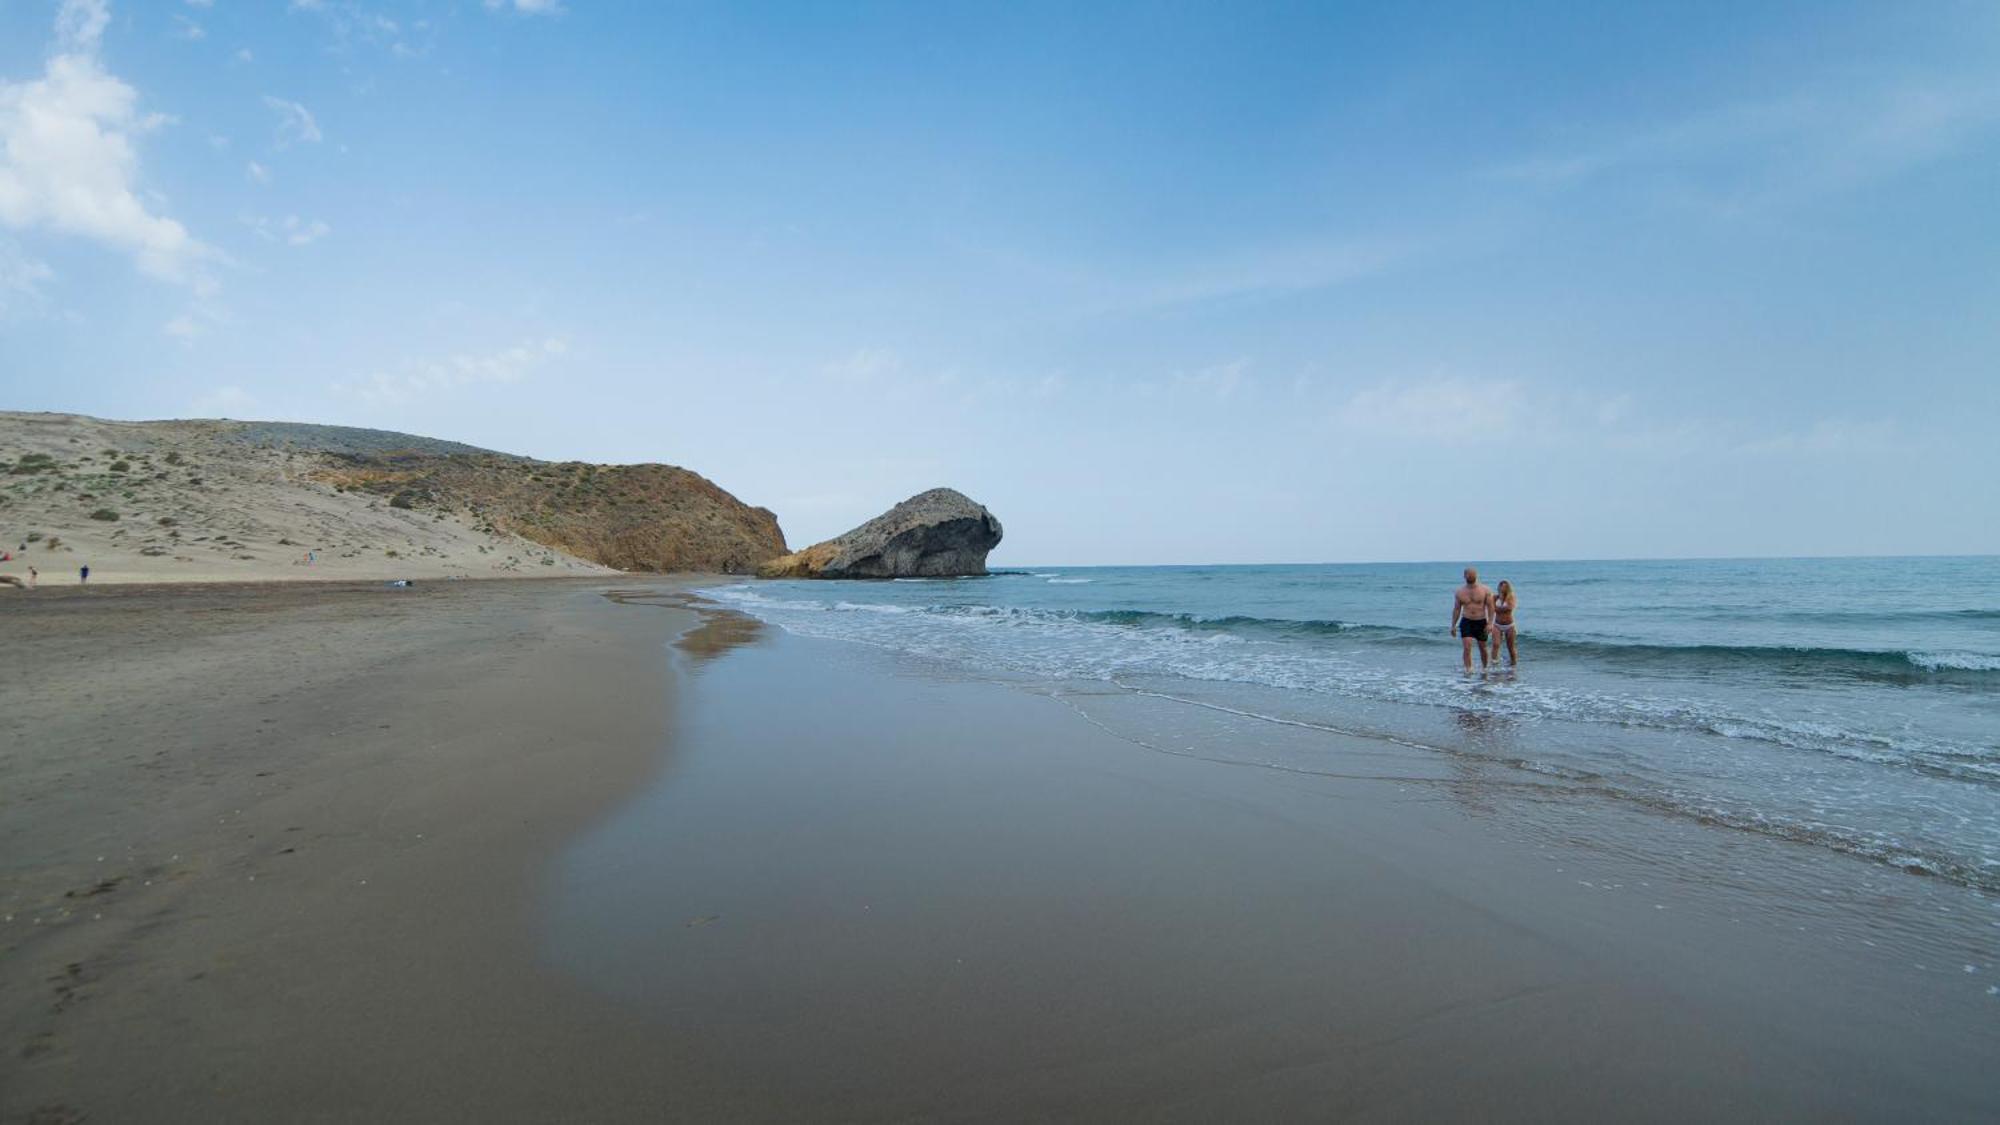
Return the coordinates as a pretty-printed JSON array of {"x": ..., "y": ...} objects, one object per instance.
[{"x": 935, "y": 534}]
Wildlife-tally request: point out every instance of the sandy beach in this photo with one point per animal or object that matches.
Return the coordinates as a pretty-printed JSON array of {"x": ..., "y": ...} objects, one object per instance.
[{"x": 570, "y": 850}]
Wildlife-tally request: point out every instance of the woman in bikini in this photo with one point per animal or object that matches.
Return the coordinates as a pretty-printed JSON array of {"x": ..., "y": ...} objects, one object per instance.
[{"x": 1503, "y": 622}]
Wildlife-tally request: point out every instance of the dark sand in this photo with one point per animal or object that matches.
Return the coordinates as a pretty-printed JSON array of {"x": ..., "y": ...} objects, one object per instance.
[{"x": 491, "y": 851}]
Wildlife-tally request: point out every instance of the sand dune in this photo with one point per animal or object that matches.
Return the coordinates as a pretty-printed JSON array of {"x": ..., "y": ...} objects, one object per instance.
[{"x": 206, "y": 501}]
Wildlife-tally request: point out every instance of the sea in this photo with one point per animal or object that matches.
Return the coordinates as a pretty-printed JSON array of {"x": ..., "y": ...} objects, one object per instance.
[{"x": 1848, "y": 704}]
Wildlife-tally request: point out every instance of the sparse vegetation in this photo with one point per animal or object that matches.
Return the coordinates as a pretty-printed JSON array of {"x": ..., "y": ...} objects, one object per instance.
[
  {"x": 105, "y": 514},
  {"x": 121, "y": 466},
  {"x": 175, "y": 458}
]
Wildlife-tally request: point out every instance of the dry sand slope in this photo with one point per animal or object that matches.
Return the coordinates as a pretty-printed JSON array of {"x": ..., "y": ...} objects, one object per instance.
[{"x": 207, "y": 501}]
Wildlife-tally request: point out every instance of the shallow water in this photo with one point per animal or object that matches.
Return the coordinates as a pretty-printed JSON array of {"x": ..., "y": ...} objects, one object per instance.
[
  {"x": 1852, "y": 704},
  {"x": 870, "y": 885}
]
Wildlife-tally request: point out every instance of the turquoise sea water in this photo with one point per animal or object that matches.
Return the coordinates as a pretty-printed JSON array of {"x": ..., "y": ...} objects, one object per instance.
[{"x": 1848, "y": 703}]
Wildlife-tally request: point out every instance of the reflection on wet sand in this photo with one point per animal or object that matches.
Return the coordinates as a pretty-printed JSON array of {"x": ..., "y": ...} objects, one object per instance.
[
  {"x": 1473, "y": 777},
  {"x": 720, "y": 629}
]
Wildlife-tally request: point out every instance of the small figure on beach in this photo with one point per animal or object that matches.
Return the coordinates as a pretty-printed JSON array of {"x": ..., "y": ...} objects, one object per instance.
[
  {"x": 1504, "y": 604},
  {"x": 1471, "y": 610},
  {"x": 33, "y": 576},
  {"x": 83, "y": 576}
]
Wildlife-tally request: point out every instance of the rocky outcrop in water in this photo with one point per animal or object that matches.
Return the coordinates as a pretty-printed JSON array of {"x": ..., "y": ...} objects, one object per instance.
[{"x": 935, "y": 534}]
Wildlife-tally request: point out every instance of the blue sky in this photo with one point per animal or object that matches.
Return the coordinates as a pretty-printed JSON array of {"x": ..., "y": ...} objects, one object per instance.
[{"x": 1158, "y": 283}]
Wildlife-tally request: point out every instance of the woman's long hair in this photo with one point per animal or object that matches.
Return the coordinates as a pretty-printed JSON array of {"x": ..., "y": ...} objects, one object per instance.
[{"x": 1507, "y": 592}]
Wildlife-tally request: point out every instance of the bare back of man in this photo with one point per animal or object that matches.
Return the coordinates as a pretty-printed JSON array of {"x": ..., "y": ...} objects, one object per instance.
[{"x": 1472, "y": 616}]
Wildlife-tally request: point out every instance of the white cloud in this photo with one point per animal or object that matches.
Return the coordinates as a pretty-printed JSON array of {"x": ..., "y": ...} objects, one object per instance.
[
  {"x": 201, "y": 3},
  {"x": 299, "y": 233},
  {"x": 526, "y": 7},
  {"x": 68, "y": 162},
  {"x": 1447, "y": 409},
  {"x": 244, "y": 55},
  {"x": 80, "y": 24},
  {"x": 291, "y": 230},
  {"x": 416, "y": 378},
  {"x": 257, "y": 172},
  {"x": 183, "y": 328},
  {"x": 353, "y": 23},
  {"x": 189, "y": 29},
  {"x": 295, "y": 122},
  {"x": 21, "y": 279}
]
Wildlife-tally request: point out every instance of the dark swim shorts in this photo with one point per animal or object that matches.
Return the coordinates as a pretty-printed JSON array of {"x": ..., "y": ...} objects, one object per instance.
[{"x": 1474, "y": 627}]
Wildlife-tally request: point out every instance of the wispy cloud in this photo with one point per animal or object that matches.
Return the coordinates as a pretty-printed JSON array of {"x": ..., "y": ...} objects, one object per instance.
[
  {"x": 526, "y": 7},
  {"x": 1267, "y": 272},
  {"x": 1452, "y": 408},
  {"x": 295, "y": 122},
  {"x": 1216, "y": 381},
  {"x": 69, "y": 157},
  {"x": 1766, "y": 151},
  {"x": 290, "y": 230},
  {"x": 418, "y": 378},
  {"x": 357, "y": 24},
  {"x": 257, "y": 172},
  {"x": 1248, "y": 273},
  {"x": 21, "y": 279},
  {"x": 884, "y": 376}
]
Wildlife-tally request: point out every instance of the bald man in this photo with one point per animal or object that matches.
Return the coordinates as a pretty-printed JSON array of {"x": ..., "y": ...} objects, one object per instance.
[{"x": 1471, "y": 614}]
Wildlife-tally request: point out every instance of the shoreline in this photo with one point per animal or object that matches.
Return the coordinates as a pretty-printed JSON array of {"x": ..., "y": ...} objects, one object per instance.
[
  {"x": 534, "y": 851},
  {"x": 1025, "y": 891}
]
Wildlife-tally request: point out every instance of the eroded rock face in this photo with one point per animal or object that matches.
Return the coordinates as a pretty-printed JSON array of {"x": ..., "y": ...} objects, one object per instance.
[{"x": 935, "y": 534}]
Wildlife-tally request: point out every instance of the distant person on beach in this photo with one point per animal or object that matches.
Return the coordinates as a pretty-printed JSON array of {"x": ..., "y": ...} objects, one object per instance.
[
  {"x": 1471, "y": 610},
  {"x": 33, "y": 575},
  {"x": 83, "y": 576},
  {"x": 1504, "y": 604}
]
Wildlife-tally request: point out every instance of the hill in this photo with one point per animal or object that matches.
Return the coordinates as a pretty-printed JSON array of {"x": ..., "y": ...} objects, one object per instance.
[{"x": 225, "y": 500}]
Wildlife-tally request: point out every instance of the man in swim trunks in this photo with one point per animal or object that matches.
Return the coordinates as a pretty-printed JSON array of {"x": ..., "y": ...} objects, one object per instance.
[{"x": 1471, "y": 610}]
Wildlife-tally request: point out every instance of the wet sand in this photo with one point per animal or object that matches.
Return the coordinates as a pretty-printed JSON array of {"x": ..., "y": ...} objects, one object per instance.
[
  {"x": 271, "y": 853},
  {"x": 494, "y": 851},
  {"x": 874, "y": 889}
]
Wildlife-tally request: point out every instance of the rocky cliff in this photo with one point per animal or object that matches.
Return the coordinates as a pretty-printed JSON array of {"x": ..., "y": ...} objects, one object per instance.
[
  {"x": 935, "y": 534},
  {"x": 633, "y": 517}
]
